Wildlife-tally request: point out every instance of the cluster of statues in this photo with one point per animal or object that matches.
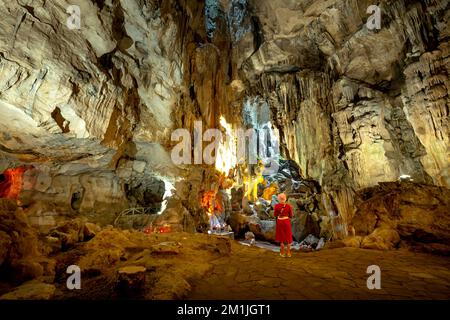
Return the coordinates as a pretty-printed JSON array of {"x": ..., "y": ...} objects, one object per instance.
[
  {"x": 247, "y": 177},
  {"x": 251, "y": 183}
]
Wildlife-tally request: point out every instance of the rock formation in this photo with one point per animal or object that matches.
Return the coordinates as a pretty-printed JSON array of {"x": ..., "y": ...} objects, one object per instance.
[
  {"x": 91, "y": 110},
  {"x": 92, "y": 92}
]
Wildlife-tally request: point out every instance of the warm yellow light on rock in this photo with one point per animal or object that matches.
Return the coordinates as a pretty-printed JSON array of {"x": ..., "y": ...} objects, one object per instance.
[{"x": 226, "y": 158}]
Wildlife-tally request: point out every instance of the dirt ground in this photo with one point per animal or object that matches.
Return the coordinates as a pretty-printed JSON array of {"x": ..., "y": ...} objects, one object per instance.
[
  {"x": 199, "y": 266},
  {"x": 255, "y": 273}
]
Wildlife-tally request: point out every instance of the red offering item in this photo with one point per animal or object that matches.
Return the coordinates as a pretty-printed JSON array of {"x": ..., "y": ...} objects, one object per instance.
[
  {"x": 148, "y": 230},
  {"x": 163, "y": 229},
  {"x": 283, "y": 231}
]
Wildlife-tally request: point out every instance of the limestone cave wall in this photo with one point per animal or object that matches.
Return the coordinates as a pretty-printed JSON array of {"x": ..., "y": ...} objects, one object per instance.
[
  {"x": 356, "y": 106},
  {"x": 92, "y": 109}
]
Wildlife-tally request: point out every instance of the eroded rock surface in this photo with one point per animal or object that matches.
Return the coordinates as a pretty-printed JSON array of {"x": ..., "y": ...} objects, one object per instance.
[
  {"x": 22, "y": 256},
  {"x": 354, "y": 106},
  {"x": 416, "y": 214},
  {"x": 91, "y": 111}
]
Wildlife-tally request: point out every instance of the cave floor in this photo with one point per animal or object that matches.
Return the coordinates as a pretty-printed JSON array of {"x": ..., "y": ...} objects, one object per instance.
[
  {"x": 255, "y": 273},
  {"x": 202, "y": 267}
]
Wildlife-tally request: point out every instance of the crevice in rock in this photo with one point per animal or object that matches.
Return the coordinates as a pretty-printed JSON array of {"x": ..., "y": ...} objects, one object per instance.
[
  {"x": 77, "y": 199},
  {"x": 63, "y": 124}
]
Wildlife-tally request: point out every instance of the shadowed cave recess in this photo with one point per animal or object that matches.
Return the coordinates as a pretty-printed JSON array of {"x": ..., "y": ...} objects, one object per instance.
[{"x": 354, "y": 119}]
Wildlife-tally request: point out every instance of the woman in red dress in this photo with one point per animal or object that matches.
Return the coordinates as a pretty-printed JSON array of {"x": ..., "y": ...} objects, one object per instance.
[{"x": 283, "y": 232}]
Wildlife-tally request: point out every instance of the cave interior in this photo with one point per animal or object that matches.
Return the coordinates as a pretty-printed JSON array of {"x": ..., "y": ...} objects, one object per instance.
[{"x": 141, "y": 134}]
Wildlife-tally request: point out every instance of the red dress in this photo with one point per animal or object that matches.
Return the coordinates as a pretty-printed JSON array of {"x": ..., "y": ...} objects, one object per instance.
[{"x": 283, "y": 231}]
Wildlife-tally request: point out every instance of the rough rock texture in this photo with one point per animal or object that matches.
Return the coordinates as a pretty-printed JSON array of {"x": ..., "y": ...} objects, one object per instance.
[
  {"x": 168, "y": 263},
  {"x": 69, "y": 233},
  {"x": 381, "y": 239},
  {"x": 131, "y": 280},
  {"x": 356, "y": 107},
  {"x": 32, "y": 290},
  {"x": 93, "y": 109},
  {"x": 177, "y": 217},
  {"x": 90, "y": 108},
  {"x": 418, "y": 213},
  {"x": 22, "y": 256},
  {"x": 87, "y": 117}
]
